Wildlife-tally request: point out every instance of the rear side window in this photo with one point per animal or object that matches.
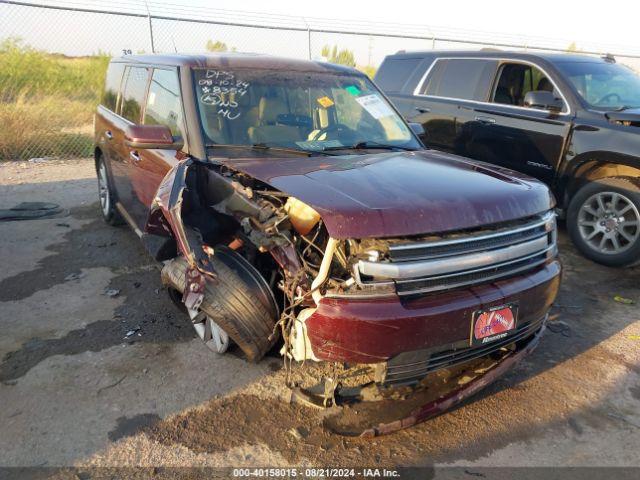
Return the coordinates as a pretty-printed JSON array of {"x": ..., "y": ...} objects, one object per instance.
[
  {"x": 466, "y": 79},
  {"x": 134, "y": 91},
  {"x": 394, "y": 73},
  {"x": 163, "y": 102},
  {"x": 112, "y": 86}
]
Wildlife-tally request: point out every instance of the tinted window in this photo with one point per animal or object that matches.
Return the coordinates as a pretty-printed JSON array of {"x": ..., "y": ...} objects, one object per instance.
[
  {"x": 394, "y": 73},
  {"x": 112, "y": 86},
  {"x": 133, "y": 94},
  {"x": 466, "y": 79},
  {"x": 163, "y": 103}
]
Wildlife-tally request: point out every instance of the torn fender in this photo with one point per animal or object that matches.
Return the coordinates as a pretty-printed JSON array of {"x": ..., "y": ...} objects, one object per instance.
[{"x": 166, "y": 214}]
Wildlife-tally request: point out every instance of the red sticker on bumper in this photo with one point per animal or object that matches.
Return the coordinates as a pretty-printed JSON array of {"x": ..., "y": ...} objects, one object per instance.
[{"x": 493, "y": 324}]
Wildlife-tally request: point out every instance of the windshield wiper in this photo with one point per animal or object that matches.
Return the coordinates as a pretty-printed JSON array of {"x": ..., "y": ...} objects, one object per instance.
[
  {"x": 369, "y": 145},
  {"x": 260, "y": 146},
  {"x": 623, "y": 108}
]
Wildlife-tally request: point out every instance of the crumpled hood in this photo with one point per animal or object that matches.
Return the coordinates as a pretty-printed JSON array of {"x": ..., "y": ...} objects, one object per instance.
[{"x": 401, "y": 193}]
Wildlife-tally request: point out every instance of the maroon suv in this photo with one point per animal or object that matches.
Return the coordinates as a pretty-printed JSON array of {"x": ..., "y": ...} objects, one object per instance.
[{"x": 288, "y": 199}]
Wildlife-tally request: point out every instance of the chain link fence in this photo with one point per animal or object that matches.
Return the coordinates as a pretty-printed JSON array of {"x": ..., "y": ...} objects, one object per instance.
[{"x": 53, "y": 55}]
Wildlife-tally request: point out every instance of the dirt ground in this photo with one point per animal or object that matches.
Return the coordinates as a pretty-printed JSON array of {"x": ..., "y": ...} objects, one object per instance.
[{"x": 76, "y": 389}]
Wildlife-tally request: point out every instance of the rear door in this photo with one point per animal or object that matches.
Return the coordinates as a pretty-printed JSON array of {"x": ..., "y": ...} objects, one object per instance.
[
  {"x": 106, "y": 117},
  {"x": 446, "y": 96},
  {"x": 505, "y": 132},
  {"x": 134, "y": 90},
  {"x": 148, "y": 168}
]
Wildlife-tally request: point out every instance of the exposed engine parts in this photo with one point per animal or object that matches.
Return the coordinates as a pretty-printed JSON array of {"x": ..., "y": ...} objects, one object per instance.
[{"x": 251, "y": 260}]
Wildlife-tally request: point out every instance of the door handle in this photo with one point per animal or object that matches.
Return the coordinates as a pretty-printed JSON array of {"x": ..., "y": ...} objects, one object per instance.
[
  {"x": 485, "y": 120},
  {"x": 134, "y": 156},
  {"x": 423, "y": 109},
  {"x": 108, "y": 134}
]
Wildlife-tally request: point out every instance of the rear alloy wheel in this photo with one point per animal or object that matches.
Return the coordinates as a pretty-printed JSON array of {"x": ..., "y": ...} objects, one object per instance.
[
  {"x": 604, "y": 221},
  {"x": 105, "y": 195}
]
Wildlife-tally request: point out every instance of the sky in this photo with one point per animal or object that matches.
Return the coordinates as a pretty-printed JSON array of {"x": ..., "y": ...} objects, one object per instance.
[
  {"x": 613, "y": 22},
  {"x": 605, "y": 27}
]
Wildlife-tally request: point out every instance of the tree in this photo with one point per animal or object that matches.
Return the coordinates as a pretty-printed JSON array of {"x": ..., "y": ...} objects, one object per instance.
[
  {"x": 218, "y": 46},
  {"x": 341, "y": 57},
  {"x": 572, "y": 47},
  {"x": 369, "y": 70}
]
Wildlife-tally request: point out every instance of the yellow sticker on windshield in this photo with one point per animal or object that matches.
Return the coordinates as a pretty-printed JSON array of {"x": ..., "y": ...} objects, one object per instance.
[{"x": 326, "y": 102}]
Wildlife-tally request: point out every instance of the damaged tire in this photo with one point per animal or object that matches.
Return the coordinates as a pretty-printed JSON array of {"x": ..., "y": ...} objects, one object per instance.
[{"x": 240, "y": 303}]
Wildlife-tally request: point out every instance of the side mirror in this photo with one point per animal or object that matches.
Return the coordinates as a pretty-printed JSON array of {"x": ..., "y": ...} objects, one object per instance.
[
  {"x": 418, "y": 129},
  {"x": 544, "y": 100},
  {"x": 150, "y": 137}
]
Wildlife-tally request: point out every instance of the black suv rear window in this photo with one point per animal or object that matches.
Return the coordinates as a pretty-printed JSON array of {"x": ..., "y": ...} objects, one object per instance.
[
  {"x": 394, "y": 73},
  {"x": 466, "y": 79}
]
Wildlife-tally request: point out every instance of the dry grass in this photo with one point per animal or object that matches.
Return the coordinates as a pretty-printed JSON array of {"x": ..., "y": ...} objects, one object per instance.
[
  {"x": 47, "y": 102},
  {"x": 44, "y": 127}
]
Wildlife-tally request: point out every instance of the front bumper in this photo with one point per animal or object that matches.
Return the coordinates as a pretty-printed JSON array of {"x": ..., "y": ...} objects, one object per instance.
[
  {"x": 356, "y": 330},
  {"x": 420, "y": 406}
]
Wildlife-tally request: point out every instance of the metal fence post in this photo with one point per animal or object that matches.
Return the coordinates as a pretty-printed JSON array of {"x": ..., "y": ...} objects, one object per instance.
[
  {"x": 153, "y": 48},
  {"x": 308, "y": 36}
]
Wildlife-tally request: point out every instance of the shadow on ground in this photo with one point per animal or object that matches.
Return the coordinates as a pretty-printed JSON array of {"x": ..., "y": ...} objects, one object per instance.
[{"x": 147, "y": 311}]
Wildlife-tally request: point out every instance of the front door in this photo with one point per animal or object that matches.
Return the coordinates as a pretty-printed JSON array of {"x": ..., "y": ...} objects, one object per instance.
[
  {"x": 505, "y": 132},
  {"x": 148, "y": 167}
]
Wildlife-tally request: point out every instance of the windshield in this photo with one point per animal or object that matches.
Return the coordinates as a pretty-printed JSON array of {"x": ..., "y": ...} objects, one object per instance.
[
  {"x": 607, "y": 86},
  {"x": 301, "y": 110}
]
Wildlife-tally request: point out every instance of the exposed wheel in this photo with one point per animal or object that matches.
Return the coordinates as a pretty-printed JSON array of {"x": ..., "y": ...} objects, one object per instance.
[
  {"x": 213, "y": 336},
  {"x": 604, "y": 221},
  {"x": 105, "y": 194},
  {"x": 241, "y": 303}
]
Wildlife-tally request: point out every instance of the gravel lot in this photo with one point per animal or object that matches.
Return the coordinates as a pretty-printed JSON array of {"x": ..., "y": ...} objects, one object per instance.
[{"x": 75, "y": 390}]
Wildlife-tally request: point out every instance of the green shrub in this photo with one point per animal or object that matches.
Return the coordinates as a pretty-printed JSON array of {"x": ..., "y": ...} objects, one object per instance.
[
  {"x": 24, "y": 70},
  {"x": 47, "y": 101}
]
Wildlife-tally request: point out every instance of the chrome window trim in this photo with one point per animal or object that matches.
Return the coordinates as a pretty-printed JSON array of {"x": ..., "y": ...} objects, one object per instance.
[{"x": 416, "y": 91}]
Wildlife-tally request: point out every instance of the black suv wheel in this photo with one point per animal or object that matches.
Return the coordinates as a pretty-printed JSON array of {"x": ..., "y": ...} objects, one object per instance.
[{"x": 604, "y": 221}]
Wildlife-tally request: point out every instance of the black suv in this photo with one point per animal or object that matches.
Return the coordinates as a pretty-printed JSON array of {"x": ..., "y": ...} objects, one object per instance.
[{"x": 570, "y": 120}]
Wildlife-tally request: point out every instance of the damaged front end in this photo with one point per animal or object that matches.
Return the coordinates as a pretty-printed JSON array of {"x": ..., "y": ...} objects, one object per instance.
[
  {"x": 384, "y": 320},
  {"x": 247, "y": 258}
]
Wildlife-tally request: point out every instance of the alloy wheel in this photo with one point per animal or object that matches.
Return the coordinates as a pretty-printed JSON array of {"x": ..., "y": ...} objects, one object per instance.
[
  {"x": 103, "y": 190},
  {"x": 609, "y": 222},
  {"x": 214, "y": 337}
]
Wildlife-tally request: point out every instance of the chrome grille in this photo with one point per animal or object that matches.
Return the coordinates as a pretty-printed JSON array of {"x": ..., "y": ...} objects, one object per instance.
[
  {"x": 460, "y": 260},
  {"x": 412, "y": 366}
]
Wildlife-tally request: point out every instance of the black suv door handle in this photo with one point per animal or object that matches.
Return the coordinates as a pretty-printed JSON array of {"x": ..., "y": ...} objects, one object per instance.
[
  {"x": 485, "y": 120},
  {"x": 423, "y": 109},
  {"x": 108, "y": 134}
]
